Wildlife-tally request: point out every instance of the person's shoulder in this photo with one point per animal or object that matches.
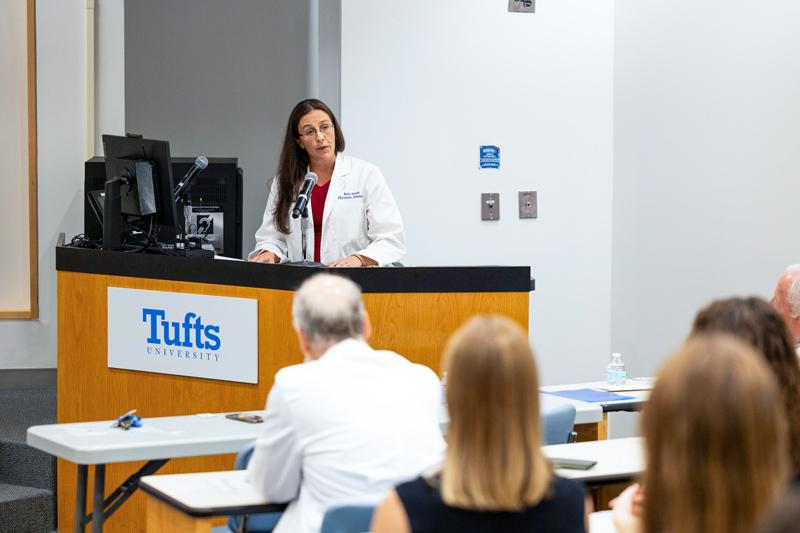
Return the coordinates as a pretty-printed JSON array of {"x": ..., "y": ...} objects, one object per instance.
[
  {"x": 416, "y": 492},
  {"x": 359, "y": 166},
  {"x": 416, "y": 372},
  {"x": 404, "y": 362},
  {"x": 293, "y": 375}
]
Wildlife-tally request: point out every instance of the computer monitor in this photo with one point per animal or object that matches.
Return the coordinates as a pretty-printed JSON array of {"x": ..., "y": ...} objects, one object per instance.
[
  {"x": 216, "y": 201},
  {"x": 138, "y": 206}
]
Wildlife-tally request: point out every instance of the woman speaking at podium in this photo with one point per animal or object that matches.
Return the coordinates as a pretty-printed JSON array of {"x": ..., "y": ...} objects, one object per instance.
[{"x": 353, "y": 218}]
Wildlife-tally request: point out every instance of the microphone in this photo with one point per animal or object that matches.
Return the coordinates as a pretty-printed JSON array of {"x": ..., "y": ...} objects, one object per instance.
[
  {"x": 305, "y": 194},
  {"x": 199, "y": 164}
]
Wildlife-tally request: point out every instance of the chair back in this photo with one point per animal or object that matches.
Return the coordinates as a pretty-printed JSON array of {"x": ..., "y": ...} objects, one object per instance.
[
  {"x": 243, "y": 457},
  {"x": 257, "y": 523},
  {"x": 557, "y": 424},
  {"x": 347, "y": 519}
]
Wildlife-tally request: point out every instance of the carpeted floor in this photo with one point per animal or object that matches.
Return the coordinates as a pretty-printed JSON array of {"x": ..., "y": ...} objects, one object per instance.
[
  {"x": 27, "y": 475},
  {"x": 20, "y": 409}
]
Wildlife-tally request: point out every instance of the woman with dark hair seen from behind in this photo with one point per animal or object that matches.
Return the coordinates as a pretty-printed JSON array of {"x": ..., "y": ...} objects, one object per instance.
[
  {"x": 495, "y": 477},
  {"x": 353, "y": 218},
  {"x": 757, "y": 323},
  {"x": 715, "y": 445}
]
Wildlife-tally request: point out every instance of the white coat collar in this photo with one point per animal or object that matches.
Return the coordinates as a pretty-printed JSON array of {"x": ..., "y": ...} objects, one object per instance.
[{"x": 344, "y": 348}]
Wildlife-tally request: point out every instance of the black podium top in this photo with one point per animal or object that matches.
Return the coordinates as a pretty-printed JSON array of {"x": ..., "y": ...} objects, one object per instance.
[{"x": 287, "y": 277}]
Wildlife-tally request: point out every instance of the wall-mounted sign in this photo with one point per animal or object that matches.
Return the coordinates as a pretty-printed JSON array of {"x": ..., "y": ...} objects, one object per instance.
[
  {"x": 490, "y": 156},
  {"x": 522, "y": 6},
  {"x": 213, "y": 337}
]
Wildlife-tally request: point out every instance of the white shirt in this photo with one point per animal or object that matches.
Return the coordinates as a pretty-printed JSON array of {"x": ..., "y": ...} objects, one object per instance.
[
  {"x": 360, "y": 217},
  {"x": 344, "y": 428}
]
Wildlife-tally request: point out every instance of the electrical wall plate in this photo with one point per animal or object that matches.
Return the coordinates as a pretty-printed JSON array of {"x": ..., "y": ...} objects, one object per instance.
[
  {"x": 528, "y": 205},
  {"x": 522, "y": 6},
  {"x": 490, "y": 206}
]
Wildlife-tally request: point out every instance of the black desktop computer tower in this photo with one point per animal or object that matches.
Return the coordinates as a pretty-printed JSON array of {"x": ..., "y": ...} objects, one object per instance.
[{"x": 216, "y": 201}]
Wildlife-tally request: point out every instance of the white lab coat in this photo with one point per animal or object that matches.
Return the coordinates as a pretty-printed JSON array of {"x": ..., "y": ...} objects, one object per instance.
[
  {"x": 345, "y": 428},
  {"x": 361, "y": 217}
]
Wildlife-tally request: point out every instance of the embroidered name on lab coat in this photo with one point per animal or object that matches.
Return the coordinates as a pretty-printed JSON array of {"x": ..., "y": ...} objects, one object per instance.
[{"x": 350, "y": 195}]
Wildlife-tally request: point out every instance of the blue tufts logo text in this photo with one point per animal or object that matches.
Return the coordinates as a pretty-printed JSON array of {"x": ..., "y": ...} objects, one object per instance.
[{"x": 191, "y": 333}]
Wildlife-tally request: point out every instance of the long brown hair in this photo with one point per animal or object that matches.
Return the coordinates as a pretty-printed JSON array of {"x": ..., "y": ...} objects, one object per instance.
[
  {"x": 756, "y": 322},
  {"x": 493, "y": 461},
  {"x": 716, "y": 445},
  {"x": 293, "y": 162}
]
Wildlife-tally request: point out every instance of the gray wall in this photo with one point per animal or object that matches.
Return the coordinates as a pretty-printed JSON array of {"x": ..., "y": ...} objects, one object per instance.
[
  {"x": 706, "y": 187},
  {"x": 220, "y": 78}
]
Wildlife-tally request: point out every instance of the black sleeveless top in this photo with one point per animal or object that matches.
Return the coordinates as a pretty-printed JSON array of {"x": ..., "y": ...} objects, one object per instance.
[{"x": 563, "y": 511}]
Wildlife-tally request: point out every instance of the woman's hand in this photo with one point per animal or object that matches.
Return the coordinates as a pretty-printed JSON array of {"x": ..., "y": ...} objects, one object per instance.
[
  {"x": 266, "y": 257},
  {"x": 627, "y": 510},
  {"x": 354, "y": 260}
]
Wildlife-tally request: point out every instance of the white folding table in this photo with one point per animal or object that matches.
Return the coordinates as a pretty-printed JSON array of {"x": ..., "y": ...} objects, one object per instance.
[
  {"x": 205, "y": 494},
  {"x": 618, "y": 460},
  {"x": 200, "y": 496},
  {"x": 157, "y": 441}
]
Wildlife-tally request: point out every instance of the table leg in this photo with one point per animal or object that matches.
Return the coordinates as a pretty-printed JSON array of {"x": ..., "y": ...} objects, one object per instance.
[
  {"x": 593, "y": 431},
  {"x": 98, "y": 499},
  {"x": 80, "y": 498}
]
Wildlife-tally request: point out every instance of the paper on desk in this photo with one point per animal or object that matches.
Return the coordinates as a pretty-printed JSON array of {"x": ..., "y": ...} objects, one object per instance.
[
  {"x": 589, "y": 395},
  {"x": 228, "y": 485},
  {"x": 208, "y": 489}
]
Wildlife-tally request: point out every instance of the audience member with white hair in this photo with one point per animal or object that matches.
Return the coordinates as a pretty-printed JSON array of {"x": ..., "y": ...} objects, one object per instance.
[
  {"x": 350, "y": 422},
  {"x": 787, "y": 301}
]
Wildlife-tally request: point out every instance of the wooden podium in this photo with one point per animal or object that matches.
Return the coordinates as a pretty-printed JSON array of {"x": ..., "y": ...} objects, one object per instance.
[{"x": 413, "y": 312}]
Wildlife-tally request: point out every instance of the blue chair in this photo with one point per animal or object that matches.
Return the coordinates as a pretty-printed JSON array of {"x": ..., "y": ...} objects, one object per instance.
[
  {"x": 347, "y": 519},
  {"x": 558, "y": 424},
  {"x": 257, "y": 523}
]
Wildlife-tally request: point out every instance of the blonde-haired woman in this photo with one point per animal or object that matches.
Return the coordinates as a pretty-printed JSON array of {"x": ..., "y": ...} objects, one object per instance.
[
  {"x": 495, "y": 477},
  {"x": 715, "y": 434}
]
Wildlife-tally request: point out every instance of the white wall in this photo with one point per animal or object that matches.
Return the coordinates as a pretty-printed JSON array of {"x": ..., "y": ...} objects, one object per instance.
[
  {"x": 15, "y": 260},
  {"x": 61, "y": 124},
  {"x": 707, "y": 166},
  {"x": 705, "y": 123},
  {"x": 425, "y": 85}
]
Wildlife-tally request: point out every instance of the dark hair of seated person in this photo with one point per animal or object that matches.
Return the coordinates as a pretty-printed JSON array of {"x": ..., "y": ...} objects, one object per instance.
[{"x": 757, "y": 323}]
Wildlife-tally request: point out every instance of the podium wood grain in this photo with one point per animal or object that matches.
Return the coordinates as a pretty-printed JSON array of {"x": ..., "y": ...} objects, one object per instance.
[
  {"x": 413, "y": 324},
  {"x": 164, "y": 518}
]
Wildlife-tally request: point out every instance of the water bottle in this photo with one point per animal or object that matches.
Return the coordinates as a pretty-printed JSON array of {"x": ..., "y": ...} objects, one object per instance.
[
  {"x": 615, "y": 372},
  {"x": 622, "y": 375}
]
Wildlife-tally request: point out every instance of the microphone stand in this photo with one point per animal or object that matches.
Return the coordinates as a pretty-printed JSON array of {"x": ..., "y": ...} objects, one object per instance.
[
  {"x": 304, "y": 233},
  {"x": 186, "y": 244},
  {"x": 304, "y": 243}
]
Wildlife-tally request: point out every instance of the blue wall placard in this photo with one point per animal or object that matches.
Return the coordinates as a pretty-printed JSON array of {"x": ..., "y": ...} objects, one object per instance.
[{"x": 490, "y": 156}]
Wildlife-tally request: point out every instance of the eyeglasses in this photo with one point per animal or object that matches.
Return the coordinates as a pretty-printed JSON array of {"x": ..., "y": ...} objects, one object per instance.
[{"x": 311, "y": 133}]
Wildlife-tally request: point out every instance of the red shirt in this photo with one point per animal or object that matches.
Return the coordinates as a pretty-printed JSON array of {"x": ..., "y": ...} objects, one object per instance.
[{"x": 317, "y": 210}]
